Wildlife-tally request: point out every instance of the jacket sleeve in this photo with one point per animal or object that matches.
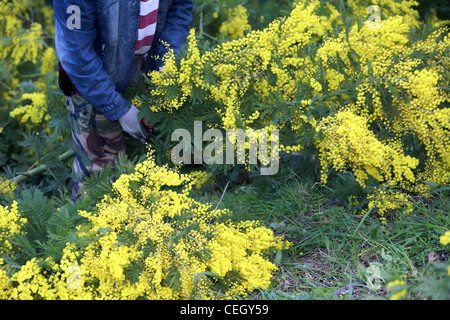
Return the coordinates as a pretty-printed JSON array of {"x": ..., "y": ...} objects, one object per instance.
[
  {"x": 176, "y": 27},
  {"x": 74, "y": 41}
]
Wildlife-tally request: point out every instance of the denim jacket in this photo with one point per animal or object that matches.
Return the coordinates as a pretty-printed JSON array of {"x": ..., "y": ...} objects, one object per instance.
[{"x": 95, "y": 43}]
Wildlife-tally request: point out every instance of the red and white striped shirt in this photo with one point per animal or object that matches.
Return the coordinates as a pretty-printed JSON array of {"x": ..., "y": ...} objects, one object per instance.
[{"x": 147, "y": 25}]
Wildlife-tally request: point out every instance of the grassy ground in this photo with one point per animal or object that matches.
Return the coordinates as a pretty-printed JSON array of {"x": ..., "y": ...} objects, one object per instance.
[{"x": 337, "y": 252}]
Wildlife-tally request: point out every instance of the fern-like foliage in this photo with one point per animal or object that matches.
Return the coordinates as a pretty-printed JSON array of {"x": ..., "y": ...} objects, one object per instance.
[{"x": 47, "y": 231}]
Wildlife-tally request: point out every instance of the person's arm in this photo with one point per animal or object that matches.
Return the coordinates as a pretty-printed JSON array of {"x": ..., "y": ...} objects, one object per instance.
[
  {"x": 75, "y": 49},
  {"x": 176, "y": 27}
]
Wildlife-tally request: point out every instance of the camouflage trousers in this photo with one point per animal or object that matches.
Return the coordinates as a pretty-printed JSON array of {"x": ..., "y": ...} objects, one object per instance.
[{"x": 97, "y": 141}]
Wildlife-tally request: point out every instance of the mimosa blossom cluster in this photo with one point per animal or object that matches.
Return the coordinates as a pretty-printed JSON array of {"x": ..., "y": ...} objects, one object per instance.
[{"x": 150, "y": 240}]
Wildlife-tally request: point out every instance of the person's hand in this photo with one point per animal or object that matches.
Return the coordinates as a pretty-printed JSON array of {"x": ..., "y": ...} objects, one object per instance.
[{"x": 131, "y": 125}]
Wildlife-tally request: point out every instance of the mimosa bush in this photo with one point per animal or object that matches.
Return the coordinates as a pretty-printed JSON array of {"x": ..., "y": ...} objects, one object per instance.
[
  {"x": 31, "y": 105},
  {"x": 149, "y": 239},
  {"x": 26, "y": 55},
  {"x": 371, "y": 100}
]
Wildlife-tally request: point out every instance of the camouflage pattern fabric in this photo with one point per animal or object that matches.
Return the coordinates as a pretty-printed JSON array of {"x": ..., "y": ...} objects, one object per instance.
[{"x": 96, "y": 141}]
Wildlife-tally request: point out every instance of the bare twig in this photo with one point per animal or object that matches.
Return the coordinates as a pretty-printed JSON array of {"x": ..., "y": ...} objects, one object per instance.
[{"x": 217, "y": 206}]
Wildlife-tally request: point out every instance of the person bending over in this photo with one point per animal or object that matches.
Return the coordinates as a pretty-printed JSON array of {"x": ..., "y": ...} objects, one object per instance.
[{"x": 103, "y": 46}]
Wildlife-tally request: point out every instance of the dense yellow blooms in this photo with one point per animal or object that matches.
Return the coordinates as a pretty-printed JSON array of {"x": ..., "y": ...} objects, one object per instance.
[
  {"x": 10, "y": 223},
  {"x": 35, "y": 111},
  {"x": 348, "y": 142},
  {"x": 49, "y": 61},
  {"x": 151, "y": 224},
  {"x": 388, "y": 200},
  {"x": 231, "y": 249},
  {"x": 234, "y": 64},
  {"x": 24, "y": 44},
  {"x": 200, "y": 178},
  {"x": 237, "y": 23},
  {"x": 7, "y": 187},
  {"x": 367, "y": 92},
  {"x": 421, "y": 113},
  {"x": 4, "y": 282}
]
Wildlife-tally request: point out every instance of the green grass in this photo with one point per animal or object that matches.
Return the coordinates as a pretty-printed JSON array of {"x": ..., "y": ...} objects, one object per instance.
[{"x": 338, "y": 253}]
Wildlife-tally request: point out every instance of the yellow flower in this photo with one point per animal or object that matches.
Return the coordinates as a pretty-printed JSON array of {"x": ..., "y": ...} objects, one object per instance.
[
  {"x": 10, "y": 223},
  {"x": 35, "y": 111},
  {"x": 137, "y": 102},
  {"x": 7, "y": 186},
  {"x": 49, "y": 61},
  {"x": 237, "y": 23},
  {"x": 397, "y": 295},
  {"x": 200, "y": 178},
  {"x": 445, "y": 238}
]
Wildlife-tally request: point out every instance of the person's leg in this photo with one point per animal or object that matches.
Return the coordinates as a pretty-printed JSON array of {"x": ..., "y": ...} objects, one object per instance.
[{"x": 96, "y": 141}]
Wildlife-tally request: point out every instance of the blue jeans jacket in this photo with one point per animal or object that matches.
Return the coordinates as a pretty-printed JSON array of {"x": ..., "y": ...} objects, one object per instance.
[{"x": 95, "y": 43}]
